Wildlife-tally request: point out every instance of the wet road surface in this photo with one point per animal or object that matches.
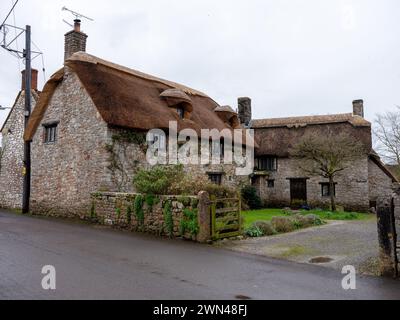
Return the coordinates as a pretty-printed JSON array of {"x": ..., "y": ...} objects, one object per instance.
[{"x": 98, "y": 263}]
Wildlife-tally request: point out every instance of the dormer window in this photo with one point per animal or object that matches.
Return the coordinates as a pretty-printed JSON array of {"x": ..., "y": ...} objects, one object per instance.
[{"x": 181, "y": 112}]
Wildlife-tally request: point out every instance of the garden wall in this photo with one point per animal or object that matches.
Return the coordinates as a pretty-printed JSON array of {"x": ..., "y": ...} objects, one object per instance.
[{"x": 172, "y": 216}]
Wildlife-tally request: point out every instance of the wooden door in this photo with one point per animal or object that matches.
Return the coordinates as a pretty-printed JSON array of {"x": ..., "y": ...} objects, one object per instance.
[{"x": 298, "y": 190}]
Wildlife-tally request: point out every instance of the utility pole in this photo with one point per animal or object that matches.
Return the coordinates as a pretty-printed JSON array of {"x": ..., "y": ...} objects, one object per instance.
[
  {"x": 28, "y": 55},
  {"x": 28, "y": 106}
]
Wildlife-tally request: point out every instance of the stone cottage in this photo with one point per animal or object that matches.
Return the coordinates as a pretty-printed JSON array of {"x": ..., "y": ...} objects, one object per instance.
[
  {"x": 12, "y": 150},
  {"x": 88, "y": 130},
  {"x": 279, "y": 178}
]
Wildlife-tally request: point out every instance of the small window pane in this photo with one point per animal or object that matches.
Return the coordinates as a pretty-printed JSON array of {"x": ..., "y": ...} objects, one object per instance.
[
  {"x": 326, "y": 190},
  {"x": 181, "y": 112},
  {"x": 50, "y": 135},
  {"x": 216, "y": 178}
]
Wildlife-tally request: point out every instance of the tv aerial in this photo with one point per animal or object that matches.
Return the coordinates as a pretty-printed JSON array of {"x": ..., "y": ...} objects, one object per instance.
[{"x": 78, "y": 16}]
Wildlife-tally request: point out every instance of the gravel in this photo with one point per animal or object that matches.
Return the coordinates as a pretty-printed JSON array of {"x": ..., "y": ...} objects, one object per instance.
[{"x": 345, "y": 242}]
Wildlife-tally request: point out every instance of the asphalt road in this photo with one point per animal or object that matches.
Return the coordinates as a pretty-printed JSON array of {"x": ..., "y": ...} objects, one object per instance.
[{"x": 96, "y": 263}]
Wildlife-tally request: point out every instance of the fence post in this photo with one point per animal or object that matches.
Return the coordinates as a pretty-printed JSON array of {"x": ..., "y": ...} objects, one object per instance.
[
  {"x": 204, "y": 217},
  {"x": 385, "y": 235}
]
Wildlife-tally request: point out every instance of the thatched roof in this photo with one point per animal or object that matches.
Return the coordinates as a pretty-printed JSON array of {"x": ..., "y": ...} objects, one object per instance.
[
  {"x": 131, "y": 99},
  {"x": 310, "y": 120},
  {"x": 279, "y": 140},
  {"x": 395, "y": 170},
  {"x": 374, "y": 156}
]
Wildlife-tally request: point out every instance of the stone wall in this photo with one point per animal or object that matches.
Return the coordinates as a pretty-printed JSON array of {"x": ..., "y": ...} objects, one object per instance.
[
  {"x": 64, "y": 173},
  {"x": 380, "y": 184},
  {"x": 351, "y": 189},
  {"x": 11, "y": 173},
  {"x": 172, "y": 216}
]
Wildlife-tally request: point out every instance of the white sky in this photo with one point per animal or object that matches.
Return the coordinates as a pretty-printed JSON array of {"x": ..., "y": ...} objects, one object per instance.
[{"x": 292, "y": 57}]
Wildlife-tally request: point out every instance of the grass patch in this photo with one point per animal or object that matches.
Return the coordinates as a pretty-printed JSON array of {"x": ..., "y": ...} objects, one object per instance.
[
  {"x": 267, "y": 214},
  {"x": 294, "y": 252}
]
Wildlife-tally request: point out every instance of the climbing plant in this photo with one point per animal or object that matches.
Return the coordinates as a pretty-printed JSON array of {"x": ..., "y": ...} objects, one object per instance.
[
  {"x": 93, "y": 215},
  {"x": 168, "y": 218},
  {"x": 189, "y": 222},
  {"x": 121, "y": 164},
  {"x": 138, "y": 209}
]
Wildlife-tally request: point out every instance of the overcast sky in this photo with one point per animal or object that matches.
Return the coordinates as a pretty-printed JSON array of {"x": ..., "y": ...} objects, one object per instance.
[{"x": 292, "y": 57}]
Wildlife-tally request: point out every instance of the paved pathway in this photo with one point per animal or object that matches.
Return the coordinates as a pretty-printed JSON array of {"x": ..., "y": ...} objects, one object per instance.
[
  {"x": 345, "y": 242},
  {"x": 97, "y": 263}
]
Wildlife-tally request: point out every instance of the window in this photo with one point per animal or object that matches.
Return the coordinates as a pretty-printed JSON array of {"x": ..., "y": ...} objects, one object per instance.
[
  {"x": 271, "y": 184},
  {"x": 326, "y": 189},
  {"x": 50, "y": 133},
  {"x": 266, "y": 164},
  {"x": 181, "y": 112},
  {"x": 216, "y": 178}
]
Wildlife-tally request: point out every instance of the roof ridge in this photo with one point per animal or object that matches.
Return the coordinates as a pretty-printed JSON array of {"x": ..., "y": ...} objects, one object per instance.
[
  {"x": 307, "y": 116},
  {"x": 85, "y": 57}
]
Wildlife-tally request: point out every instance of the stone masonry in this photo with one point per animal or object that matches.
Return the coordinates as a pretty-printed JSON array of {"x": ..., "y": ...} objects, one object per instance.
[
  {"x": 12, "y": 155},
  {"x": 161, "y": 215},
  {"x": 351, "y": 188}
]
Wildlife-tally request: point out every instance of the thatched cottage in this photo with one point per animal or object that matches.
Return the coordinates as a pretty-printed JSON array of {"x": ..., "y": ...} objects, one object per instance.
[
  {"x": 280, "y": 180},
  {"x": 88, "y": 129}
]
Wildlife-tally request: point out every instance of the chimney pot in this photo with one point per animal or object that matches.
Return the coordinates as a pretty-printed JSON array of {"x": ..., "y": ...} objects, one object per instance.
[
  {"x": 77, "y": 25},
  {"x": 358, "y": 108},
  {"x": 34, "y": 80},
  {"x": 245, "y": 112}
]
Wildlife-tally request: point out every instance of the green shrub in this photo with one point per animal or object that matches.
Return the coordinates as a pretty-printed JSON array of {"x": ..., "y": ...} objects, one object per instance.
[
  {"x": 254, "y": 232},
  {"x": 157, "y": 180},
  {"x": 283, "y": 224},
  {"x": 251, "y": 198},
  {"x": 266, "y": 227},
  {"x": 172, "y": 180},
  {"x": 313, "y": 220}
]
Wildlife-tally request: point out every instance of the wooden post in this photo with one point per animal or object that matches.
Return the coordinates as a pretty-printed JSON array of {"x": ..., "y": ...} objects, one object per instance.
[
  {"x": 385, "y": 234},
  {"x": 204, "y": 217}
]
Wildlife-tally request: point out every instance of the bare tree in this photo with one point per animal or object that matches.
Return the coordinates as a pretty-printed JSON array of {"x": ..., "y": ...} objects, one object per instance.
[
  {"x": 327, "y": 156},
  {"x": 387, "y": 133}
]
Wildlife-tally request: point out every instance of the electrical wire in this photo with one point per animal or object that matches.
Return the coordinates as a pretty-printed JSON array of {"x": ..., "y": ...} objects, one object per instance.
[
  {"x": 16, "y": 41},
  {"x": 12, "y": 9}
]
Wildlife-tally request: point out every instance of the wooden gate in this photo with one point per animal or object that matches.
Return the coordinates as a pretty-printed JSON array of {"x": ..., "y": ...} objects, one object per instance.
[{"x": 226, "y": 220}]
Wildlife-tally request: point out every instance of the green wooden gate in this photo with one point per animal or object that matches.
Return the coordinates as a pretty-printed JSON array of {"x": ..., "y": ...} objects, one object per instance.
[{"x": 226, "y": 220}]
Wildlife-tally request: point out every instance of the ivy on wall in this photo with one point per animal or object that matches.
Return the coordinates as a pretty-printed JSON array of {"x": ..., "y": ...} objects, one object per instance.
[
  {"x": 121, "y": 165},
  {"x": 138, "y": 209},
  {"x": 189, "y": 222},
  {"x": 168, "y": 218}
]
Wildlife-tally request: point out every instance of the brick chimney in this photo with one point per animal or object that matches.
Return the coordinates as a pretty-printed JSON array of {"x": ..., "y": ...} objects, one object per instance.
[
  {"x": 34, "y": 80},
  {"x": 245, "y": 113},
  {"x": 358, "y": 108},
  {"x": 75, "y": 40}
]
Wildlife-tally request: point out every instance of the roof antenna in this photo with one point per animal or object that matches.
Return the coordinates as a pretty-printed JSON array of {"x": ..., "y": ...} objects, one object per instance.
[{"x": 78, "y": 16}]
